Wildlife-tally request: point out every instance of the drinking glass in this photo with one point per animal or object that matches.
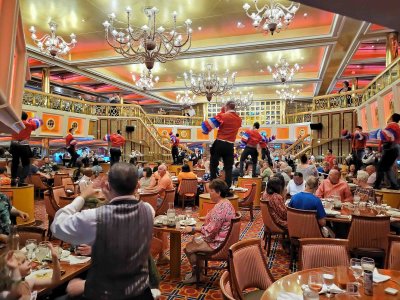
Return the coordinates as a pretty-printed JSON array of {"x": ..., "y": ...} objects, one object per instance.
[
  {"x": 328, "y": 277},
  {"x": 378, "y": 209},
  {"x": 355, "y": 265},
  {"x": 329, "y": 204},
  {"x": 31, "y": 245},
  {"x": 367, "y": 264},
  {"x": 188, "y": 213},
  {"x": 41, "y": 252},
  {"x": 315, "y": 281},
  {"x": 356, "y": 199}
]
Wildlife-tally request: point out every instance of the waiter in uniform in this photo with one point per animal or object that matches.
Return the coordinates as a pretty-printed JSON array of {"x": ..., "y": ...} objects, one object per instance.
[
  {"x": 228, "y": 123},
  {"x": 251, "y": 138},
  {"x": 358, "y": 144},
  {"x": 265, "y": 154},
  {"x": 175, "y": 147},
  {"x": 20, "y": 149},
  {"x": 70, "y": 143},
  {"x": 117, "y": 141}
]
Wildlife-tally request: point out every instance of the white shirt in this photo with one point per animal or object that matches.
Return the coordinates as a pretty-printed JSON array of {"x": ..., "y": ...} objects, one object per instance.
[
  {"x": 293, "y": 188},
  {"x": 371, "y": 179},
  {"x": 83, "y": 182},
  {"x": 77, "y": 227}
]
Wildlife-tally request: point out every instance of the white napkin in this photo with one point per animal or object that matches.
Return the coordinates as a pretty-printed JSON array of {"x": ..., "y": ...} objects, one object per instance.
[
  {"x": 75, "y": 260},
  {"x": 378, "y": 278},
  {"x": 334, "y": 289},
  {"x": 289, "y": 296}
]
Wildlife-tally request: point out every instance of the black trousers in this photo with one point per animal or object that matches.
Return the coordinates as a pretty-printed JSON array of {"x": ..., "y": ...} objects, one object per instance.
[
  {"x": 19, "y": 153},
  {"x": 146, "y": 295},
  {"x": 357, "y": 158},
  {"x": 224, "y": 150},
  {"x": 175, "y": 154},
  {"x": 115, "y": 155},
  {"x": 266, "y": 155},
  {"x": 385, "y": 166},
  {"x": 74, "y": 156},
  {"x": 254, "y": 155}
]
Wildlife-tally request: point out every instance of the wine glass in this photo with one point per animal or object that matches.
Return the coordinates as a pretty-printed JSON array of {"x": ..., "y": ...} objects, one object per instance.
[
  {"x": 188, "y": 213},
  {"x": 328, "y": 277},
  {"x": 356, "y": 199},
  {"x": 315, "y": 281},
  {"x": 41, "y": 252},
  {"x": 31, "y": 245},
  {"x": 355, "y": 265}
]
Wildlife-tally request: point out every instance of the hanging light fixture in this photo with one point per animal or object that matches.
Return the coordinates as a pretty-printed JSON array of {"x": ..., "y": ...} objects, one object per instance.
[
  {"x": 288, "y": 94},
  {"x": 185, "y": 99},
  {"x": 51, "y": 43},
  {"x": 282, "y": 71},
  {"x": 208, "y": 83},
  {"x": 145, "y": 81},
  {"x": 276, "y": 15},
  {"x": 242, "y": 100},
  {"x": 147, "y": 44}
]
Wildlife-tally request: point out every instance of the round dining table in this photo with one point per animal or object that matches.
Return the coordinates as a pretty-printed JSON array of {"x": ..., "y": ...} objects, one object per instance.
[{"x": 293, "y": 284}]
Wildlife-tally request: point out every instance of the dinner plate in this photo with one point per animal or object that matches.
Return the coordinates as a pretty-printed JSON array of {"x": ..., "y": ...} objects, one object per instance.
[
  {"x": 40, "y": 274},
  {"x": 332, "y": 213},
  {"x": 393, "y": 213},
  {"x": 190, "y": 222}
]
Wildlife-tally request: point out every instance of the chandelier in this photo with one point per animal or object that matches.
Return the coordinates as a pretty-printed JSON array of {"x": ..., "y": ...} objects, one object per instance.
[
  {"x": 288, "y": 94},
  {"x": 282, "y": 71},
  {"x": 51, "y": 43},
  {"x": 145, "y": 81},
  {"x": 242, "y": 100},
  {"x": 185, "y": 99},
  {"x": 147, "y": 44},
  {"x": 208, "y": 83},
  {"x": 276, "y": 15}
]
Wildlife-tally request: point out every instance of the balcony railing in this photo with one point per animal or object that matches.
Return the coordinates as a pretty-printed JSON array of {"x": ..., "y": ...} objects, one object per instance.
[
  {"x": 349, "y": 99},
  {"x": 175, "y": 120},
  {"x": 301, "y": 117}
]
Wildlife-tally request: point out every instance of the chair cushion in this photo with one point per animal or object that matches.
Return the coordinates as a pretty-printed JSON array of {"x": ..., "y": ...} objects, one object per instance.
[
  {"x": 254, "y": 295},
  {"x": 189, "y": 195}
]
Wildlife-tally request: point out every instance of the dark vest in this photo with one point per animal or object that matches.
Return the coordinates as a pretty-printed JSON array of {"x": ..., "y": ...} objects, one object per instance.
[{"x": 121, "y": 250}]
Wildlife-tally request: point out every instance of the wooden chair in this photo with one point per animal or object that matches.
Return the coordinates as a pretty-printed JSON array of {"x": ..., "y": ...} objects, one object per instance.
[
  {"x": 301, "y": 224},
  {"x": 30, "y": 232},
  {"x": 225, "y": 286},
  {"x": 248, "y": 269},
  {"x": 368, "y": 236},
  {"x": 51, "y": 208},
  {"x": 187, "y": 190},
  {"x": 57, "y": 192},
  {"x": 323, "y": 252},
  {"x": 270, "y": 227},
  {"x": 69, "y": 184},
  {"x": 247, "y": 202},
  {"x": 168, "y": 198},
  {"x": 38, "y": 184},
  {"x": 393, "y": 257},
  {"x": 150, "y": 198},
  {"x": 58, "y": 178},
  {"x": 222, "y": 252},
  {"x": 206, "y": 186},
  {"x": 199, "y": 172}
]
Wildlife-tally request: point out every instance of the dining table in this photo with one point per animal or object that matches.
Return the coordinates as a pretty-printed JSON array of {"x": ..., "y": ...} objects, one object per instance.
[
  {"x": 345, "y": 213},
  {"x": 294, "y": 283}
]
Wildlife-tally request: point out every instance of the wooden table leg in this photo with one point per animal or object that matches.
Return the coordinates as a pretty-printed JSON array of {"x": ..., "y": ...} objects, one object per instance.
[{"x": 175, "y": 254}]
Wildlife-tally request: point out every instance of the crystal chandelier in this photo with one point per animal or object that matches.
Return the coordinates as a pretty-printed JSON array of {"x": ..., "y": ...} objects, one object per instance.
[
  {"x": 208, "y": 83},
  {"x": 282, "y": 71},
  {"x": 185, "y": 99},
  {"x": 242, "y": 100},
  {"x": 51, "y": 43},
  {"x": 147, "y": 44},
  {"x": 288, "y": 94},
  {"x": 276, "y": 15},
  {"x": 145, "y": 81}
]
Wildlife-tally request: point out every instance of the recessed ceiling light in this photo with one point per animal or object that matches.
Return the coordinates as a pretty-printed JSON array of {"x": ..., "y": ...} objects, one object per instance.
[
  {"x": 240, "y": 25},
  {"x": 373, "y": 46},
  {"x": 83, "y": 20},
  {"x": 199, "y": 28},
  {"x": 305, "y": 15}
]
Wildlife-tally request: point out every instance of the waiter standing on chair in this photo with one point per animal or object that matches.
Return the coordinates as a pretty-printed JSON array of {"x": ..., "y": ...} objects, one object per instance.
[
  {"x": 20, "y": 148},
  {"x": 70, "y": 143},
  {"x": 251, "y": 138},
  {"x": 175, "y": 148},
  {"x": 228, "y": 123},
  {"x": 117, "y": 142}
]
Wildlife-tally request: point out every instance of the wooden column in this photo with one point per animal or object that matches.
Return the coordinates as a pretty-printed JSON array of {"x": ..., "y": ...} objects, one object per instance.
[
  {"x": 46, "y": 80},
  {"x": 392, "y": 47}
]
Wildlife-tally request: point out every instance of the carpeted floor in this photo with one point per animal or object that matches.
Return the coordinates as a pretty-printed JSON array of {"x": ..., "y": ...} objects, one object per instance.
[{"x": 278, "y": 261}]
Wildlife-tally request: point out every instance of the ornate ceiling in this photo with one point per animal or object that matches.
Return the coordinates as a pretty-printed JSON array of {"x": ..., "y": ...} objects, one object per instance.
[{"x": 330, "y": 48}]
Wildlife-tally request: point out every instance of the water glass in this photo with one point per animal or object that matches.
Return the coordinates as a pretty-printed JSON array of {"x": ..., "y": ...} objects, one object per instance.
[
  {"x": 315, "y": 281},
  {"x": 328, "y": 277},
  {"x": 355, "y": 265},
  {"x": 356, "y": 199},
  {"x": 41, "y": 252},
  {"x": 30, "y": 245},
  {"x": 367, "y": 264},
  {"x": 188, "y": 212}
]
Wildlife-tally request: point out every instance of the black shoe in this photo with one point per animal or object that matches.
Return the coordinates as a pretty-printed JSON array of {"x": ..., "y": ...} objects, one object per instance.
[
  {"x": 13, "y": 183},
  {"x": 229, "y": 194},
  {"x": 394, "y": 188}
]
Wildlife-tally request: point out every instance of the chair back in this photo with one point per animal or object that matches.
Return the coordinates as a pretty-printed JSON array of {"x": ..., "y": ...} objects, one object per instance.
[
  {"x": 57, "y": 192},
  {"x": 269, "y": 223},
  {"x": 51, "y": 206},
  {"x": 168, "y": 198},
  {"x": 302, "y": 223},
  {"x": 323, "y": 252},
  {"x": 150, "y": 198},
  {"x": 225, "y": 286},
  {"x": 222, "y": 252},
  {"x": 187, "y": 186},
  {"x": 199, "y": 172},
  {"x": 37, "y": 182},
  {"x": 58, "y": 178},
  {"x": 249, "y": 199},
  {"x": 369, "y": 232},
  {"x": 68, "y": 184},
  {"x": 393, "y": 258},
  {"x": 30, "y": 232},
  {"x": 248, "y": 267},
  {"x": 206, "y": 186}
]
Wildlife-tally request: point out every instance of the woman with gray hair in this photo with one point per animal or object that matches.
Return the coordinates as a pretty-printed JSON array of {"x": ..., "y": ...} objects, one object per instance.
[{"x": 363, "y": 190}]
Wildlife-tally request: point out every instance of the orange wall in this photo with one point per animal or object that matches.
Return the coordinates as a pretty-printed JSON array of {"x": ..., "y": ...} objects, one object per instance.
[
  {"x": 79, "y": 121},
  {"x": 388, "y": 105},
  {"x": 301, "y": 131},
  {"x": 56, "y": 129},
  {"x": 201, "y": 135},
  {"x": 282, "y": 133}
]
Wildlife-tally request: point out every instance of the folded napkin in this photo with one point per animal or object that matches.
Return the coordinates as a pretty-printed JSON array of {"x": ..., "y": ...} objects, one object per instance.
[
  {"x": 334, "y": 289},
  {"x": 378, "y": 278},
  {"x": 289, "y": 296},
  {"x": 75, "y": 260}
]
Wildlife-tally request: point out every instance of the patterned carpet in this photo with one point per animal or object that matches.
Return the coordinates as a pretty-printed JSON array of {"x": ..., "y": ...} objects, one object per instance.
[{"x": 278, "y": 261}]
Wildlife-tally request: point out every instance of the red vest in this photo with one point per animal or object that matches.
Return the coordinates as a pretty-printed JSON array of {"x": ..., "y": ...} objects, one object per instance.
[
  {"x": 230, "y": 125},
  {"x": 254, "y": 137},
  {"x": 117, "y": 140},
  {"x": 25, "y": 133}
]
